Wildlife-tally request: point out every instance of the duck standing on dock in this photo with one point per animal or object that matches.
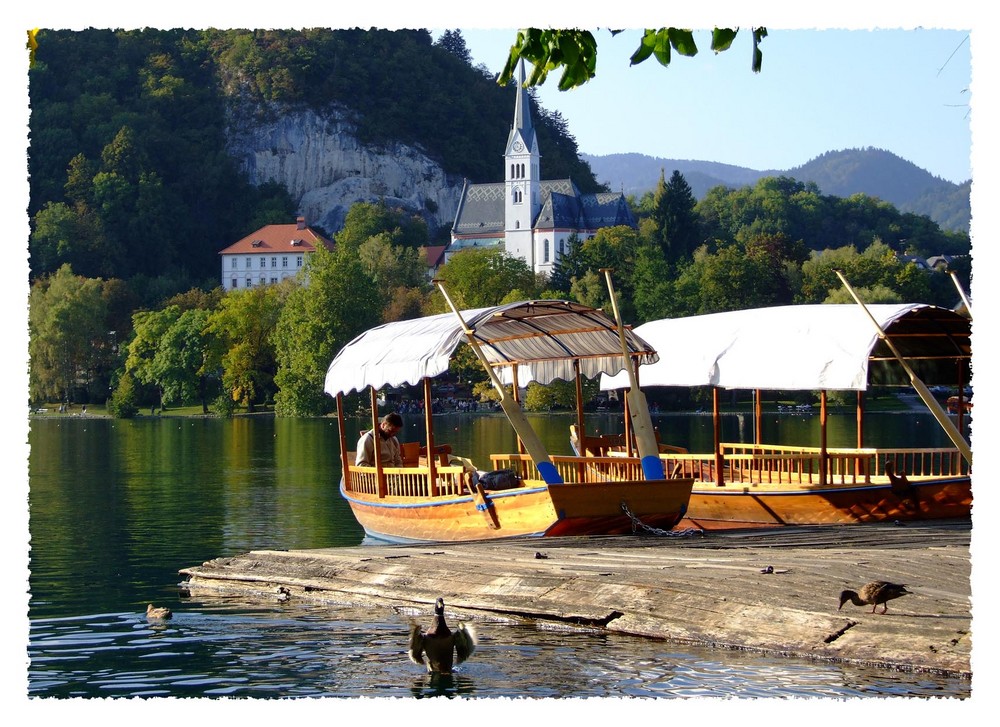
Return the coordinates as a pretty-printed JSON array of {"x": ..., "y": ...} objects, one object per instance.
[
  {"x": 157, "y": 614},
  {"x": 874, "y": 593},
  {"x": 439, "y": 647}
]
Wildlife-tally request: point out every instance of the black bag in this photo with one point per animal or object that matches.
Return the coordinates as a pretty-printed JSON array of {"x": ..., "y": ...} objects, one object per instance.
[{"x": 500, "y": 480}]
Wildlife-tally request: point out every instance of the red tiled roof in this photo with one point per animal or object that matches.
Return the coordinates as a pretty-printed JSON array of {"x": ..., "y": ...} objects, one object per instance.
[
  {"x": 279, "y": 238},
  {"x": 434, "y": 254}
]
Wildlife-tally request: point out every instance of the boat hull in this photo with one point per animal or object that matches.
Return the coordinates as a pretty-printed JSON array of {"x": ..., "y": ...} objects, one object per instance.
[
  {"x": 730, "y": 506},
  {"x": 535, "y": 510}
]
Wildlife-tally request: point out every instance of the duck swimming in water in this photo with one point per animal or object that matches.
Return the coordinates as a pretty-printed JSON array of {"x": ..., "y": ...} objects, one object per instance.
[
  {"x": 438, "y": 647},
  {"x": 157, "y": 614},
  {"x": 874, "y": 593}
]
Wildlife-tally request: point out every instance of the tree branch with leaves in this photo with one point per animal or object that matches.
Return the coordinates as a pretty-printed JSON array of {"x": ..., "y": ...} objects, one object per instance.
[{"x": 575, "y": 51}]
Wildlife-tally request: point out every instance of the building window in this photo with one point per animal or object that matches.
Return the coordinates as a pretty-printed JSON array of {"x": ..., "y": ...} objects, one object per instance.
[
  {"x": 284, "y": 262},
  {"x": 263, "y": 262},
  {"x": 249, "y": 283},
  {"x": 249, "y": 262},
  {"x": 298, "y": 261},
  {"x": 274, "y": 262},
  {"x": 274, "y": 280},
  {"x": 233, "y": 266},
  {"x": 545, "y": 251},
  {"x": 234, "y": 284}
]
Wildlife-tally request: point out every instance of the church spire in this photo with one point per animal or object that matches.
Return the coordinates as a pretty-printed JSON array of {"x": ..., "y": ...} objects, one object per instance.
[
  {"x": 522, "y": 130},
  {"x": 522, "y": 109}
]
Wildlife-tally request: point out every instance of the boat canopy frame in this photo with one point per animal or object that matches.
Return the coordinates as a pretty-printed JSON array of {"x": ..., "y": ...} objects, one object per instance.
[{"x": 543, "y": 340}]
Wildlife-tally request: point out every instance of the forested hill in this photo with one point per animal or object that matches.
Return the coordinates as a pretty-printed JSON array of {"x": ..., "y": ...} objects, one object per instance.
[
  {"x": 127, "y": 159},
  {"x": 874, "y": 172}
]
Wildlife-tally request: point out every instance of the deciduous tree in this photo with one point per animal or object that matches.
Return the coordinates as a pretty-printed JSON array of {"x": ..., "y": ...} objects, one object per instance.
[
  {"x": 68, "y": 336},
  {"x": 340, "y": 301}
]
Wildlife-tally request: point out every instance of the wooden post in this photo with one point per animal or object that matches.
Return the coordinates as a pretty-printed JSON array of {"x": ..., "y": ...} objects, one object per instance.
[
  {"x": 431, "y": 454},
  {"x": 516, "y": 394},
  {"x": 581, "y": 469},
  {"x": 757, "y": 410},
  {"x": 961, "y": 395},
  {"x": 627, "y": 436},
  {"x": 860, "y": 414},
  {"x": 344, "y": 461},
  {"x": 717, "y": 437},
  {"x": 824, "y": 457},
  {"x": 383, "y": 490}
]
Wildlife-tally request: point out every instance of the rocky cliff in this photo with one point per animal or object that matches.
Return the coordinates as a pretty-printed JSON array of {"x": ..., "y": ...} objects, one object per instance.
[{"x": 319, "y": 160}]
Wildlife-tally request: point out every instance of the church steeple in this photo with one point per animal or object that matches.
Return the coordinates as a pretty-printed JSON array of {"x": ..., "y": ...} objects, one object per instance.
[
  {"x": 522, "y": 177},
  {"x": 522, "y": 129}
]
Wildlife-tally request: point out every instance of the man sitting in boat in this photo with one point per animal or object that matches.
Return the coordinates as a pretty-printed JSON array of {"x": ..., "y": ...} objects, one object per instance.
[{"x": 389, "y": 448}]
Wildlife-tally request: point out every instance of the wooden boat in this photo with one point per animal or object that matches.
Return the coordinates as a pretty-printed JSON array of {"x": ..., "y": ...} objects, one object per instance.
[
  {"x": 830, "y": 347},
  {"x": 437, "y": 496}
]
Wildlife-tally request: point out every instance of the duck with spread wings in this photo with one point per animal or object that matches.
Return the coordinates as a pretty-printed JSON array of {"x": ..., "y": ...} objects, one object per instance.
[{"x": 439, "y": 648}]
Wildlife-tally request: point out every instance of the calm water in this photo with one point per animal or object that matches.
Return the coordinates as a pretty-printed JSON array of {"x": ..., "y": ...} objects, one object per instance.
[{"x": 116, "y": 508}]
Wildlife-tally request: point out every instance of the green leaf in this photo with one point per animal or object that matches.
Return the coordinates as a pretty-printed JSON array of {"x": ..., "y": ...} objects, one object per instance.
[
  {"x": 758, "y": 58},
  {"x": 645, "y": 48},
  {"x": 661, "y": 50},
  {"x": 682, "y": 41},
  {"x": 722, "y": 38}
]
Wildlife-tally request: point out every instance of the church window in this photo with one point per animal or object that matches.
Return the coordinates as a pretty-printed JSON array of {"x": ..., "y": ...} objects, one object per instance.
[
  {"x": 562, "y": 248},
  {"x": 512, "y": 172},
  {"x": 545, "y": 251}
]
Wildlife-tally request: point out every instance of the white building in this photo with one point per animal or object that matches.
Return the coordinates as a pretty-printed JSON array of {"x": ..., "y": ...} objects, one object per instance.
[
  {"x": 530, "y": 217},
  {"x": 269, "y": 255}
]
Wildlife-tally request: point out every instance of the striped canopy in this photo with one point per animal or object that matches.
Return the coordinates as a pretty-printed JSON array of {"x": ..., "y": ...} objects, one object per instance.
[{"x": 542, "y": 338}]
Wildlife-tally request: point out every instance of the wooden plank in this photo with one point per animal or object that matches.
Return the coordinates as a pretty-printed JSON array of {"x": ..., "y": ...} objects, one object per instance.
[{"x": 705, "y": 589}]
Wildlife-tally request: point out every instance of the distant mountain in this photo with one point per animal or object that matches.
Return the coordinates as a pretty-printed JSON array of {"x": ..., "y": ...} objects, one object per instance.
[{"x": 874, "y": 172}]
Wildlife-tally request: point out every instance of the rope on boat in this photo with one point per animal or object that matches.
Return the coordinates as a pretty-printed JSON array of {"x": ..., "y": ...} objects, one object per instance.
[{"x": 638, "y": 524}]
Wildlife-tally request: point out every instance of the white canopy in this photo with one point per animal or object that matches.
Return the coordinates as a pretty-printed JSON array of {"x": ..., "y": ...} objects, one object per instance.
[
  {"x": 541, "y": 337},
  {"x": 805, "y": 347}
]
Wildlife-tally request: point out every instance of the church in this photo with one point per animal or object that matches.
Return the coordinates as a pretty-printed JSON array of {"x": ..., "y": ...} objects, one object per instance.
[{"x": 527, "y": 216}]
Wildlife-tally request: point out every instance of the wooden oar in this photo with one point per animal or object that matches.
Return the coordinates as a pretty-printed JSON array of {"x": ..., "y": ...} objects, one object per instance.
[
  {"x": 642, "y": 425},
  {"x": 961, "y": 292},
  {"x": 942, "y": 417},
  {"x": 532, "y": 443}
]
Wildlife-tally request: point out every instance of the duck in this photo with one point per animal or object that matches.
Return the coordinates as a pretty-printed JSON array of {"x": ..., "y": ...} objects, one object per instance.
[
  {"x": 438, "y": 647},
  {"x": 874, "y": 593},
  {"x": 157, "y": 613}
]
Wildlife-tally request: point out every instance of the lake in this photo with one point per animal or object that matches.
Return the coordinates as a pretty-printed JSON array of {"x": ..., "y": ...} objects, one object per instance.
[{"x": 117, "y": 507}]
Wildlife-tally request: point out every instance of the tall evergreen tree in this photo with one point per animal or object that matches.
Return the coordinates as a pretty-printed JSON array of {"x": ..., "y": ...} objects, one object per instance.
[{"x": 676, "y": 222}]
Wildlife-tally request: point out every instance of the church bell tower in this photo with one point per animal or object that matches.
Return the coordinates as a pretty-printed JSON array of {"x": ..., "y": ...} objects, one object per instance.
[{"x": 522, "y": 178}]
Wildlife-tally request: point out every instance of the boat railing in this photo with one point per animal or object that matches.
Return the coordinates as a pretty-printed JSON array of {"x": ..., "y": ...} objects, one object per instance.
[
  {"x": 776, "y": 464},
  {"x": 575, "y": 469},
  {"x": 409, "y": 481}
]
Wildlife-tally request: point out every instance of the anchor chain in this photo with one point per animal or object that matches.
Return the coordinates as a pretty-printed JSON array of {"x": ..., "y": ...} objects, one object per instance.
[{"x": 638, "y": 524}]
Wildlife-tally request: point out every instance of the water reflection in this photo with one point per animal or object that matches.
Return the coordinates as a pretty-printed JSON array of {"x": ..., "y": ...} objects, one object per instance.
[
  {"x": 117, "y": 508},
  {"x": 298, "y": 651}
]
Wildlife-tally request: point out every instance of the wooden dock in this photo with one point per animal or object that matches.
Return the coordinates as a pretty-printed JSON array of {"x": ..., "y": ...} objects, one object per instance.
[{"x": 707, "y": 589}]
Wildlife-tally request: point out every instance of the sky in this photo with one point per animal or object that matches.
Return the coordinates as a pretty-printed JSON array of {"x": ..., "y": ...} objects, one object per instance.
[
  {"x": 905, "y": 91},
  {"x": 907, "y": 77}
]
